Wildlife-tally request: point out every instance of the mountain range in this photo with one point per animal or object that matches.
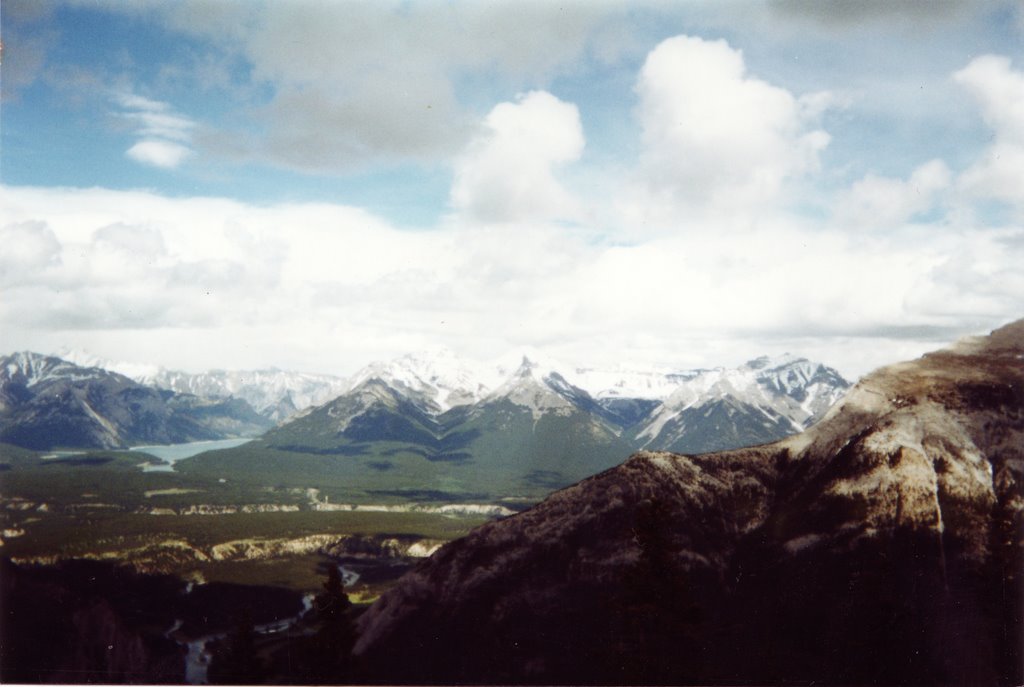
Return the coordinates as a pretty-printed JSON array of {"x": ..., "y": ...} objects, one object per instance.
[
  {"x": 881, "y": 546},
  {"x": 448, "y": 424},
  {"x": 438, "y": 426},
  {"x": 275, "y": 394},
  {"x": 439, "y": 380},
  {"x": 47, "y": 403}
]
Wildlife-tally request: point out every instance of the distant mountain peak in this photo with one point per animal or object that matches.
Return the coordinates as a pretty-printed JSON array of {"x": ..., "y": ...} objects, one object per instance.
[
  {"x": 881, "y": 546},
  {"x": 779, "y": 393},
  {"x": 47, "y": 402},
  {"x": 527, "y": 368}
]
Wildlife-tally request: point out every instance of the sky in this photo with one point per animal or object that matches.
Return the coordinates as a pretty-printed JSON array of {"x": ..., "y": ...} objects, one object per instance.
[{"x": 315, "y": 185}]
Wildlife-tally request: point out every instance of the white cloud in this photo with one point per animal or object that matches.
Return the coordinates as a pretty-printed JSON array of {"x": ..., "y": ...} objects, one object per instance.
[
  {"x": 999, "y": 91},
  {"x": 979, "y": 277},
  {"x": 164, "y": 154},
  {"x": 507, "y": 172},
  {"x": 165, "y": 136},
  {"x": 206, "y": 282},
  {"x": 356, "y": 84},
  {"x": 30, "y": 250},
  {"x": 883, "y": 203},
  {"x": 716, "y": 138}
]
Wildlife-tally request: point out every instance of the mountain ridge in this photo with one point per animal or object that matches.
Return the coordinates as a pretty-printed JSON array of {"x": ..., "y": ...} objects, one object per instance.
[
  {"x": 439, "y": 376},
  {"x": 880, "y": 546},
  {"x": 47, "y": 403},
  {"x": 535, "y": 431}
]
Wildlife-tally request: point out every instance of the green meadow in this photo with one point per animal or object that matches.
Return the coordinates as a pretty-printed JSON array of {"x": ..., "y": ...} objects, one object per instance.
[{"x": 101, "y": 504}]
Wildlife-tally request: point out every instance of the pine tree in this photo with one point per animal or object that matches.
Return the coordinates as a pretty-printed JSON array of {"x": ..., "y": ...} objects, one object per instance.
[{"x": 336, "y": 634}]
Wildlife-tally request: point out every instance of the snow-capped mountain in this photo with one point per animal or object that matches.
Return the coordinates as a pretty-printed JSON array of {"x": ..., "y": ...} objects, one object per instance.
[
  {"x": 30, "y": 369},
  {"x": 611, "y": 383},
  {"x": 526, "y": 428},
  {"x": 46, "y": 402},
  {"x": 789, "y": 392},
  {"x": 764, "y": 399},
  {"x": 525, "y": 436},
  {"x": 275, "y": 394},
  {"x": 83, "y": 358},
  {"x": 537, "y": 389},
  {"x": 427, "y": 397},
  {"x": 438, "y": 380}
]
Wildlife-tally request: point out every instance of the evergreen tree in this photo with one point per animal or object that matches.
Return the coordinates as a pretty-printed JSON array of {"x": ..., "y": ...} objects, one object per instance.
[{"x": 336, "y": 634}]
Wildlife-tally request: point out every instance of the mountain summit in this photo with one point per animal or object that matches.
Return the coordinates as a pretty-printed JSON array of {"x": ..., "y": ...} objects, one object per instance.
[
  {"x": 725, "y": 408},
  {"x": 438, "y": 423},
  {"x": 46, "y": 403},
  {"x": 882, "y": 545}
]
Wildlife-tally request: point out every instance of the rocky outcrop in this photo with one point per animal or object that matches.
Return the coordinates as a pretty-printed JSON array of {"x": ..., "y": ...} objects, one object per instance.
[
  {"x": 173, "y": 555},
  {"x": 883, "y": 545}
]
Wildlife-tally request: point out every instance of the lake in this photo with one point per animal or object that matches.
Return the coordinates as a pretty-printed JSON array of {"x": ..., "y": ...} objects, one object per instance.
[{"x": 175, "y": 452}]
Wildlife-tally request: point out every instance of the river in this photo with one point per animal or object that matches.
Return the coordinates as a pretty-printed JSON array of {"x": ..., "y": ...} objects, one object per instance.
[
  {"x": 197, "y": 661},
  {"x": 172, "y": 453}
]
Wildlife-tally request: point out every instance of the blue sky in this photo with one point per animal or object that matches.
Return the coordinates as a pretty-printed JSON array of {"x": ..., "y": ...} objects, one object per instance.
[{"x": 691, "y": 183}]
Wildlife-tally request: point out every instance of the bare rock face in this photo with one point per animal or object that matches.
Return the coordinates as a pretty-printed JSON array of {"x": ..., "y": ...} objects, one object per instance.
[{"x": 883, "y": 545}]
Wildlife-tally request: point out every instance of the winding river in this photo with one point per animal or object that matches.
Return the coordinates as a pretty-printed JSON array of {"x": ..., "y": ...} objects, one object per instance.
[{"x": 197, "y": 660}]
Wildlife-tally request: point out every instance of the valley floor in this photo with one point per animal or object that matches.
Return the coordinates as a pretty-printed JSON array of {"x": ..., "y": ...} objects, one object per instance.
[{"x": 266, "y": 546}]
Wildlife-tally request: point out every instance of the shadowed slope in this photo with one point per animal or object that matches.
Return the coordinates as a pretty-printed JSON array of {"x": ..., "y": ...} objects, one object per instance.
[{"x": 881, "y": 545}]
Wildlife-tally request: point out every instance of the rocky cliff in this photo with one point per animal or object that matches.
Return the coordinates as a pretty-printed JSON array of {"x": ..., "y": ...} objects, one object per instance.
[{"x": 883, "y": 545}]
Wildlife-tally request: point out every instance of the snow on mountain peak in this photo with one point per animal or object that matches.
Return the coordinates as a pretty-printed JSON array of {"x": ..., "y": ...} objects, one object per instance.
[
  {"x": 272, "y": 392},
  {"x": 28, "y": 368},
  {"x": 439, "y": 376},
  {"x": 139, "y": 372},
  {"x": 438, "y": 379},
  {"x": 786, "y": 386},
  {"x": 529, "y": 389}
]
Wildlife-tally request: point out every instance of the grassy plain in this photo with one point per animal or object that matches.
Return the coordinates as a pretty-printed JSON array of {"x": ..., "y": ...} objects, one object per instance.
[{"x": 100, "y": 504}]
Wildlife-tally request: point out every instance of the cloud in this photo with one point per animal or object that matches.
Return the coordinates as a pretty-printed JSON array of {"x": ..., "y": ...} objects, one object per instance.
[
  {"x": 716, "y": 138},
  {"x": 162, "y": 154},
  {"x": 346, "y": 86},
  {"x": 207, "y": 282},
  {"x": 507, "y": 172},
  {"x": 978, "y": 279},
  {"x": 23, "y": 59},
  {"x": 884, "y": 202},
  {"x": 31, "y": 250},
  {"x": 872, "y": 11},
  {"x": 112, "y": 261},
  {"x": 998, "y": 89},
  {"x": 323, "y": 129},
  {"x": 165, "y": 135}
]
